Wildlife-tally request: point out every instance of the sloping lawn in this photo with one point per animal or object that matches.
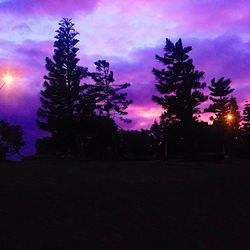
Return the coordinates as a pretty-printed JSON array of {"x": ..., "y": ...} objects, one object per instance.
[{"x": 124, "y": 205}]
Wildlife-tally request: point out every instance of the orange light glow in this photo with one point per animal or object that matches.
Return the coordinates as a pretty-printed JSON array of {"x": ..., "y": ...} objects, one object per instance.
[{"x": 229, "y": 117}]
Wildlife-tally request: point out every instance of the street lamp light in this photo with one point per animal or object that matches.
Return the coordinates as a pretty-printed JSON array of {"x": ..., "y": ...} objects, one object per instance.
[
  {"x": 230, "y": 117},
  {"x": 7, "y": 79},
  {"x": 229, "y": 121}
]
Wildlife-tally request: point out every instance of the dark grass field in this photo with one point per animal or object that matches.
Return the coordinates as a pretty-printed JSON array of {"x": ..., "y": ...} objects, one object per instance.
[{"x": 124, "y": 205}]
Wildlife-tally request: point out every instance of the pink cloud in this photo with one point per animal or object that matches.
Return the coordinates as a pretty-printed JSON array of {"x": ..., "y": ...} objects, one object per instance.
[{"x": 142, "y": 116}]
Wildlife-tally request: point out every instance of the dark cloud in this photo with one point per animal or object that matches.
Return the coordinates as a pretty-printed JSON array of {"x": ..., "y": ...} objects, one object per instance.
[{"x": 47, "y": 7}]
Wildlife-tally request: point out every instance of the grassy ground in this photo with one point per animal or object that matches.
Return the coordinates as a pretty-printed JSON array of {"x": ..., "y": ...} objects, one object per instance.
[{"x": 125, "y": 205}]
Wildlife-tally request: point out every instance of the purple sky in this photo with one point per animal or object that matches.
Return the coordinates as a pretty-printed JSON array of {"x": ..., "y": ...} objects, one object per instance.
[{"x": 126, "y": 33}]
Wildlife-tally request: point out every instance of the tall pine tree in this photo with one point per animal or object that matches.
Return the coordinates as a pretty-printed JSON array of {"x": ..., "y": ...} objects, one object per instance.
[
  {"x": 110, "y": 102},
  {"x": 179, "y": 84},
  {"x": 220, "y": 106},
  {"x": 60, "y": 97}
]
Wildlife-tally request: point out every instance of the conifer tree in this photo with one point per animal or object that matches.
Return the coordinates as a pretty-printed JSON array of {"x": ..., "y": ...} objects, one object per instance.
[
  {"x": 157, "y": 131},
  {"x": 179, "y": 84},
  {"x": 220, "y": 91},
  {"x": 246, "y": 117},
  {"x": 234, "y": 117},
  {"x": 109, "y": 101},
  {"x": 60, "y": 96}
]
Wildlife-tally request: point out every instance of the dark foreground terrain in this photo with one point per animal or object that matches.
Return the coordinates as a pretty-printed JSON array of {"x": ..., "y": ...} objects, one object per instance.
[{"x": 128, "y": 205}]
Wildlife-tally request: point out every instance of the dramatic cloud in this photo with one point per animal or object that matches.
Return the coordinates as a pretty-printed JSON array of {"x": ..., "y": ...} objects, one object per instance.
[{"x": 226, "y": 56}]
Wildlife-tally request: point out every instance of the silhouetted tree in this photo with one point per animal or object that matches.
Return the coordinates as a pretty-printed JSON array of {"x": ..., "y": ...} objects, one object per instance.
[
  {"x": 234, "y": 134},
  {"x": 61, "y": 94},
  {"x": 158, "y": 132},
  {"x": 234, "y": 117},
  {"x": 220, "y": 106},
  {"x": 137, "y": 145},
  {"x": 110, "y": 102},
  {"x": 161, "y": 133},
  {"x": 104, "y": 139},
  {"x": 46, "y": 146},
  {"x": 179, "y": 84},
  {"x": 11, "y": 140},
  {"x": 246, "y": 118},
  {"x": 245, "y": 152},
  {"x": 87, "y": 122}
]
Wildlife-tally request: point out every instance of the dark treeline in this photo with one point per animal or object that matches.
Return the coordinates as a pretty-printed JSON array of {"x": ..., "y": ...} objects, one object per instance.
[
  {"x": 80, "y": 110},
  {"x": 179, "y": 131}
]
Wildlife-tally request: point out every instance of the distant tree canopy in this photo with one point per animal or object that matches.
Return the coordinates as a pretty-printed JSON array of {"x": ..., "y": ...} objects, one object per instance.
[
  {"x": 11, "y": 140},
  {"x": 109, "y": 101},
  {"x": 179, "y": 84}
]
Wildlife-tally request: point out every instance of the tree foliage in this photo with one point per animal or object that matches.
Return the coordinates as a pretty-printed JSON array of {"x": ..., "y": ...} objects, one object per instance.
[
  {"x": 234, "y": 114},
  {"x": 81, "y": 117},
  {"x": 62, "y": 89},
  {"x": 179, "y": 84},
  {"x": 219, "y": 95},
  {"x": 110, "y": 102},
  {"x": 11, "y": 140},
  {"x": 137, "y": 145}
]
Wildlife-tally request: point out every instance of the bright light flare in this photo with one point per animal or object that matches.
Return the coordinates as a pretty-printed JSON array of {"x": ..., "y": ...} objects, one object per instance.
[
  {"x": 230, "y": 117},
  {"x": 7, "y": 79}
]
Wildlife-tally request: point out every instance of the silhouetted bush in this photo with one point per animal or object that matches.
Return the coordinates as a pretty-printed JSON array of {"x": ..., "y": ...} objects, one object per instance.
[{"x": 11, "y": 140}]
